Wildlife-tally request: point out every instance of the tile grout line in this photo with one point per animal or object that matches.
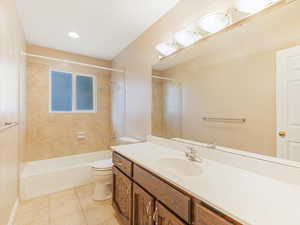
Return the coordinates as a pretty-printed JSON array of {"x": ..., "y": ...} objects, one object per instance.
[{"x": 82, "y": 211}]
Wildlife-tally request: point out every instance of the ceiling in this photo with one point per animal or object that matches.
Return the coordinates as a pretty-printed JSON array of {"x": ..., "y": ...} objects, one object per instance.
[{"x": 105, "y": 26}]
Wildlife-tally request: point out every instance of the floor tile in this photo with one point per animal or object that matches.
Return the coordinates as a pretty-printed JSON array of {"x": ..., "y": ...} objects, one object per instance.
[
  {"x": 111, "y": 221},
  {"x": 85, "y": 196},
  {"x": 33, "y": 212},
  {"x": 63, "y": 203},
  {"x": 71, "y": 207},
  {"x": 69, "y": 219},
  {"x": 98, "y": 214}
]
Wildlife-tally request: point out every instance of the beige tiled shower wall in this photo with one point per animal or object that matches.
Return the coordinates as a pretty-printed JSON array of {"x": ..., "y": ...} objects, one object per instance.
[
  {"x": 166, "y": 108},
  {"x": 52, "y": 135},
  {"x": 157, "y": 108}
]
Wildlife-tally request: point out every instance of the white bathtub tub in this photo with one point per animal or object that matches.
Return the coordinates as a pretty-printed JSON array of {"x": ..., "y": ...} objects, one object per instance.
[{"x": 53, "y": 175}]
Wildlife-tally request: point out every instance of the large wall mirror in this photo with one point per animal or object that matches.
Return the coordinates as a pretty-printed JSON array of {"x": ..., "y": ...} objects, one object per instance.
[{"x": 239, "y": 88}]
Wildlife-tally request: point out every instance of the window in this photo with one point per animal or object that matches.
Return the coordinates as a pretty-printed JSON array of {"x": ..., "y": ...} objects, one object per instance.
[
  {"x": 61, "y": 91},
  {"x": 70, "y": 92},
  {"x": 84, "y": 96}
]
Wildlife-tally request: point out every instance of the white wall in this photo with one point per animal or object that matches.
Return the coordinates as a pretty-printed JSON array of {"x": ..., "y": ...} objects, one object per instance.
[{"x": 12, "y": 105}]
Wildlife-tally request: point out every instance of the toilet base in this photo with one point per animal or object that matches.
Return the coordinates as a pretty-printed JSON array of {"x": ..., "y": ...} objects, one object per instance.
[{"x": 102, "y": 191}]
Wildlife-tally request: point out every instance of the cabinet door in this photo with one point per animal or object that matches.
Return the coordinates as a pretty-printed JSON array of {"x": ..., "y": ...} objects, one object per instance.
[
  {"x": 122, "y": 196},
  {"x": 163, "y": 216},
  {"x": 205, "y": 216},
  {"x": 143, "y": 207},
  {"x": 175, "y": 200}
]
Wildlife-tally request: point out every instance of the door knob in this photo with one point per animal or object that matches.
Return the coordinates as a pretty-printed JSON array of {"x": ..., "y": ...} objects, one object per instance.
[{"x": 282, "y": 133}]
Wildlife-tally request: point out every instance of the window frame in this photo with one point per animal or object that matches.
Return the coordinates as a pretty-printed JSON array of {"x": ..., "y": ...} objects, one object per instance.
[{"x": 74, "y": 92}]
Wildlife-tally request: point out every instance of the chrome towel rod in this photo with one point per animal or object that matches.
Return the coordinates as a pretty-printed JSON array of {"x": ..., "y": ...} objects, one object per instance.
[
  {"x": 219, "y": 119},
  {"x": 162, "y": 78},
  {"x": 8, "y": 125}
]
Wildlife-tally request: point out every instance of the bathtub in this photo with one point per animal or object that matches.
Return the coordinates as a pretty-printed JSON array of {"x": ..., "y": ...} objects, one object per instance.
[{"x": 52, "y": 175}]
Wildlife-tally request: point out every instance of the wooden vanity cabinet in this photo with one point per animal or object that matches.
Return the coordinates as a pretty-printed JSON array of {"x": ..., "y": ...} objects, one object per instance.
[
  {"x": 205, "y": 215},
  {"x": 143, "y": 198},
  {"x": 163, "y": 216},
  {"x": 143, "y": 207},
  {"x": 122, "y": 164},
  {"x": 175, "y": 200},
  {"x": 122, "y": 196}
]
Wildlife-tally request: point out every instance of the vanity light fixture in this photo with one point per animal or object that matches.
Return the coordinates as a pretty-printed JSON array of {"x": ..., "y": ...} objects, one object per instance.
[
  {"x": 73, "y": 35},
  {"x": 214, "y": 22},
  {"x": 187, "y": 37},
  {"x": 167, "y": 48},
  {"x": 211, "y": 23},
  {"x": 253, "y": 6}
]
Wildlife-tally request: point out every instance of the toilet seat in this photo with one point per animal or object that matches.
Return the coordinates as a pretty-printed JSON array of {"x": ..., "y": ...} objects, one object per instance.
[{"x": 105, "y": 164}]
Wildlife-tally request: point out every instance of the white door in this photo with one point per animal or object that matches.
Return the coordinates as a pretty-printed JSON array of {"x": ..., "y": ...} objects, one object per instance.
[{"x": 288, "y": 104}]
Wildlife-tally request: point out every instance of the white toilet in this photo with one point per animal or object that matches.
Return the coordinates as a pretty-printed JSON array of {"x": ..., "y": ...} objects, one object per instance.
[{"x": 102, "y": 172}]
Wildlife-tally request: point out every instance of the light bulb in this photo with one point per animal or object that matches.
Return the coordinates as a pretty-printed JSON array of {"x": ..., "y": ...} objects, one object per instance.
[
  {"x": 253, "y": 6},
  {"x": 73, "y": 35},
  {"x": 187, "y": 37},
  {"x": 166, "y": 48},
  {"x": 214, "y": 22}
]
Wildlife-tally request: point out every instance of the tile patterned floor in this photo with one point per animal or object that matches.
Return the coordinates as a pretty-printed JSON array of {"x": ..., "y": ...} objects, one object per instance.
[{"x": 70, "y": 207}]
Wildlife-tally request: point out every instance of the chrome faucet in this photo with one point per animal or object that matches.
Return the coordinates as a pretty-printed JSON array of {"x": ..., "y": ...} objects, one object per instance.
[{"x": 191, "y": 155}]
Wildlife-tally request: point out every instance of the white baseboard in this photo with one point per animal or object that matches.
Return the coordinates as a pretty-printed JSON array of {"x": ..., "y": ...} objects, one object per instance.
[{"x": 13, "y": 213}]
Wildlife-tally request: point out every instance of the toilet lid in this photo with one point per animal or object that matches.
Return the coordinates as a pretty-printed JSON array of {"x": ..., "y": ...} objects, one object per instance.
[{"x": 105, "y": 164}]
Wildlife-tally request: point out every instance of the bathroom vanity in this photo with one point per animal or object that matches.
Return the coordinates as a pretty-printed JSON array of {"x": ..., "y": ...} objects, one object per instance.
[
  {"x": 157, "y": 184},
  {"x": 141, "y": 197}
]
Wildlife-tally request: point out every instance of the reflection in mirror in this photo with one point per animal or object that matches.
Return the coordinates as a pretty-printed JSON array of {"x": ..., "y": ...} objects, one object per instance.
[
  {"x": 166, "y": 107},
  {"x": 238, "y": 89}
]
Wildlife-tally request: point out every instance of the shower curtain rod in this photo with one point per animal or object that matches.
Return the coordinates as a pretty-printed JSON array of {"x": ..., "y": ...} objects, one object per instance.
[
  {"x": 73, "y": 62},
  {"x": 162, "y": 78}
]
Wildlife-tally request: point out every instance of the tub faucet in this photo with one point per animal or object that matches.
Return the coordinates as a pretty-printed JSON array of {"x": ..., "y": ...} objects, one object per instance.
[{"x": 192, "y": 156}]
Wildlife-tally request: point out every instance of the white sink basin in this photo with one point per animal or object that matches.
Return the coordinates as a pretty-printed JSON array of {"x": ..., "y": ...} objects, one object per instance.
[{"x": 180, "y": 167}]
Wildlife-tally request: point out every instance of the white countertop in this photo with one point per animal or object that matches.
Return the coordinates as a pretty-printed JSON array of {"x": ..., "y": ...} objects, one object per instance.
[{"x": 250, "y": 198}]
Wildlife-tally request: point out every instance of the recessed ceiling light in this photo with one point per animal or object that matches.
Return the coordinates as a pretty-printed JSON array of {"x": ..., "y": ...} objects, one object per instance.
[
  {"x": 73, "y": 35},
  {"x": 253, "y": 6},
  {"x": 187, "y": 37},
  {"x": 214, "y": 22},
  {"x": 167, "y": 48}
]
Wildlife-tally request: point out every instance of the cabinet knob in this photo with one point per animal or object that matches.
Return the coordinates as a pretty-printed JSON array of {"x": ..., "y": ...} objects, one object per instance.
[{"x": 282, "y": 133}]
